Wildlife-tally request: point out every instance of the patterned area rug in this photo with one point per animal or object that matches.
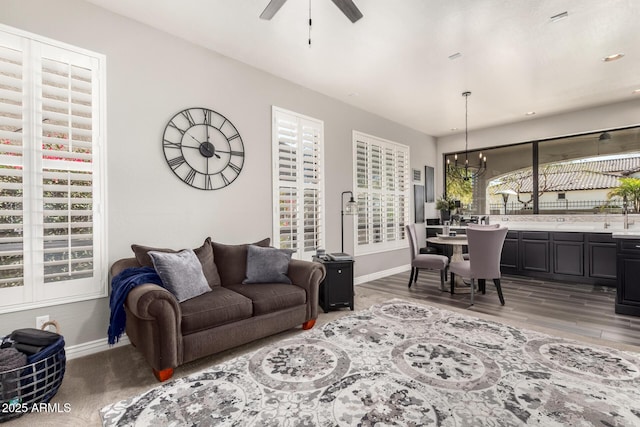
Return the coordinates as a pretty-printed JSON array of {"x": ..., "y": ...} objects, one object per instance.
[{"x": 406, "y": 364}]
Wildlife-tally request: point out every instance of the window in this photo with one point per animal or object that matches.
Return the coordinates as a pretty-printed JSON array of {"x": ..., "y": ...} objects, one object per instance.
[
  {"x": 474, "y": 195},
  {"x": 298, "y": 183},
  {"x": 576, "y": 174},
  {"x": 382, "y": 191},
  {"x": 52, "y": 228}
]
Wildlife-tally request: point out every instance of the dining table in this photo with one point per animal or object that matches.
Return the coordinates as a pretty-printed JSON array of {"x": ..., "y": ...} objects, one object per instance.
[{"x": 456, "y": 242}]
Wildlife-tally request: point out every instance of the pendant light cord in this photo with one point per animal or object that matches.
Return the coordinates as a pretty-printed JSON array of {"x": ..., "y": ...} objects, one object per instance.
[
  {"x": 309, "y": 23},
  {"x": 466, "y": 127},
  {"x": 466, "y": 130}
]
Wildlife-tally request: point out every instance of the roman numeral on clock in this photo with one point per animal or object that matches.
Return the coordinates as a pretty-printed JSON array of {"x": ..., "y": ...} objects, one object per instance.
[
  {"x": 207, "y": 117},
  {"x": 187, "y": 115},
  {"x": 190, "y": 177},
  {"x": 173, "y": 125},
  {"x": 170, "y": 144},
  {"x": 235, "y": 167},
  {"x": 176, "y": 162}
]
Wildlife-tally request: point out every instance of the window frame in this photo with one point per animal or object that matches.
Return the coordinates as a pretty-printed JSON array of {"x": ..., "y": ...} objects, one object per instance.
[
  {"x": 401, "y": 212},
  {"x": 536, "y": 148},
  {"x": 319, "y": 227},
  {"x": 35, "y": 292}
]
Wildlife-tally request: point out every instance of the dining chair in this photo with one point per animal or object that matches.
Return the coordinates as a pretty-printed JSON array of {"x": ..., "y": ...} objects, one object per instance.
[
  {"x": 485, "y": 250},
  {"x": 424, "y": 261}
]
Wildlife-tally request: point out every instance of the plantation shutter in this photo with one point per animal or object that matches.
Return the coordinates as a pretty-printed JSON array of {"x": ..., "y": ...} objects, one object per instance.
[
  {"x": 67, "y": 173},
  {"x": 51, "y": 244},
  {"x": 362, "y": 197},
  {"x": 298, "y": 183},
  {"x": 382, "y": 193},
  {"x": 12, "y": 260}
]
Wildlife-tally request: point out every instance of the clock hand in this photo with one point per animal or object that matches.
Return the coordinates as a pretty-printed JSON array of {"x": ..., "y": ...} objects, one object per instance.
[
  {"x": 193, "y": 138},
  {"x": 213, "y": 150}
]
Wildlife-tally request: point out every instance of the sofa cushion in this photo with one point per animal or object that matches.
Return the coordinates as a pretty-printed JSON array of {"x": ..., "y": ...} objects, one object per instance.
[
  {"x": 181, "y": 273},
  {"x": 270, "y": 297},
  {"x": 267, "y": 265},
  {"x": 215, "y": 308},
  {"x": 204, "y": 254},
  {"x": 231, "y": 260}
]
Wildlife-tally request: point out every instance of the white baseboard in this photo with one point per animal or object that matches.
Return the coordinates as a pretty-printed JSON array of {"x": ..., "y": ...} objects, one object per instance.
[
  {"x": 380, "y": 274},
  {"x": 91, "y": 347}
]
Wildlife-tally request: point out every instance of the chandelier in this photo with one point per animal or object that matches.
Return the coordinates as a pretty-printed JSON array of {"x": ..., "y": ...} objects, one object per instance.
[{"x": 466, "y": 172}]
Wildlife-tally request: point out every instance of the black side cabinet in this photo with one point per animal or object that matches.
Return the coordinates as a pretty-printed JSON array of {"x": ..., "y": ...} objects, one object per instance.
[
  {"x": 336, "y": 290},
  {"x": 628, "y": 292}
]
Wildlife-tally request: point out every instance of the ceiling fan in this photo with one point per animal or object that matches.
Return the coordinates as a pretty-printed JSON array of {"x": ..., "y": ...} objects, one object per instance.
[{"x": 346, "y": 6}]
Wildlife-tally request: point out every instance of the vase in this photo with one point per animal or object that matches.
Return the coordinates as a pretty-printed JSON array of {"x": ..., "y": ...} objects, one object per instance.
[{"x": 445, "y": 216}]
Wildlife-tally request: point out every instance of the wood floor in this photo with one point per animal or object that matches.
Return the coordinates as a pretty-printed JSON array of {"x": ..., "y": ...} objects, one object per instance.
[{"x": 580, "y": 309}]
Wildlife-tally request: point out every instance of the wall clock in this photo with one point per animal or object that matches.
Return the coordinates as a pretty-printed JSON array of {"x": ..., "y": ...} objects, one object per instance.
[{"x": 203, "y": 148}]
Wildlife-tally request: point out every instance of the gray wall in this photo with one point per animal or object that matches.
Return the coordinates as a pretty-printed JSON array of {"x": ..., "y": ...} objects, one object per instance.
[{"x": 151, "y": 76}]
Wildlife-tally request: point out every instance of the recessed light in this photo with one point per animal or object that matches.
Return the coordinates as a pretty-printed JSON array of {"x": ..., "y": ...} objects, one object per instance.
[
  {"x": 613, "y": 57},
  {"x": 455, "y": 55},
  {"x": 636, "y": 92},
  {"x": 530, "y": 113},
  {"x": 454, "y": 129},
  {"x": 354, "y": 94},
  {"x": 559, "y": 17}
]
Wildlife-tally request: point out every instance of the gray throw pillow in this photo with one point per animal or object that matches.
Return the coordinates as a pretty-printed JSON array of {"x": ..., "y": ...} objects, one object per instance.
[
  {"x": 267, "y": 265},
  {"x": 181, "y": 273}
]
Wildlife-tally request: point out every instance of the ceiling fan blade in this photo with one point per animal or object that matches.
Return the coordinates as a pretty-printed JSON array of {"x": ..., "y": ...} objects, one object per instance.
[
  {"x": 349, "y": 9},
  {"x": 271, "y": 9}
]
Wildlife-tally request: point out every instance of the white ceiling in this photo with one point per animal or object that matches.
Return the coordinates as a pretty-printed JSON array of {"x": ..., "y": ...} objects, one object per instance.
[{"x": 394, "y": 62}]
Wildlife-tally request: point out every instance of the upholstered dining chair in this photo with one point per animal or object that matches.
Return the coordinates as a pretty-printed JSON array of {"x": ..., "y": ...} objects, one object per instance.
[
  {"x": 424, "y": 261},
  {"x": 485, "y": 249}
]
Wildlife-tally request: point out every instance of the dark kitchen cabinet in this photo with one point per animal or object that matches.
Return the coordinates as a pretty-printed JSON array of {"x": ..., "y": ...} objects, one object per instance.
[
  {"x": 509, "y": 259},
  {"x": 601, "y": 253},
  {"x": 628, "y": 288},
  {"x": 534, "y": 251},
  {"x": 579, "y": 257},
  {"x": 568, "y": 253}
]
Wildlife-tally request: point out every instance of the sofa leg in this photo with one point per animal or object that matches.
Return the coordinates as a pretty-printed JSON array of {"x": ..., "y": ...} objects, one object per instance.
[
  {"x": 164, "y": 374},
  {"x": 308, "y": 324}
]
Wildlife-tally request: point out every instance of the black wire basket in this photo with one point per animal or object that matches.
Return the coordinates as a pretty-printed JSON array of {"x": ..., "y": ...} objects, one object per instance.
[{"x": 33, "y": 384}]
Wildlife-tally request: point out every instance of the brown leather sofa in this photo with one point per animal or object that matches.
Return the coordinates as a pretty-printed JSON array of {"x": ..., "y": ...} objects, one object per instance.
[{"x": 169, "y": 334}]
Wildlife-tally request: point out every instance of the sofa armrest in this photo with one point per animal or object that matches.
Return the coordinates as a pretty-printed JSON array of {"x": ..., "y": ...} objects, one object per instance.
[
  {"x": 154, "y": 325},
  {"x": 308, "y": 276},
  {"x": 150, "y": 301},
  {"x": 122, "y": 265}
]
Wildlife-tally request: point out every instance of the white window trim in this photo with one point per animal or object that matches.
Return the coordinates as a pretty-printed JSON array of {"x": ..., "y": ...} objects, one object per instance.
[
  {"x": 36, "y": 294},
  {"x": 385, "y": 246},
  {"x": 300, "y": 254}
]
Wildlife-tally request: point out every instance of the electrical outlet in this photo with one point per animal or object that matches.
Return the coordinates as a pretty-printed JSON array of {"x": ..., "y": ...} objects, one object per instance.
[{"x": 41, "y": 320}]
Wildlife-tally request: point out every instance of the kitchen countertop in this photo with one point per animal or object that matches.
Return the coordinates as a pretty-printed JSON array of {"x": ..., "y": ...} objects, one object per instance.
[
  {"x": 626, "y": 234},
  {"x": 563, "y": 227}
]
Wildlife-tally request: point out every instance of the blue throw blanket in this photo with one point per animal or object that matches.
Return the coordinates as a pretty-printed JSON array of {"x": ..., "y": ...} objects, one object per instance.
[{"x": 120, "y": 287}]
